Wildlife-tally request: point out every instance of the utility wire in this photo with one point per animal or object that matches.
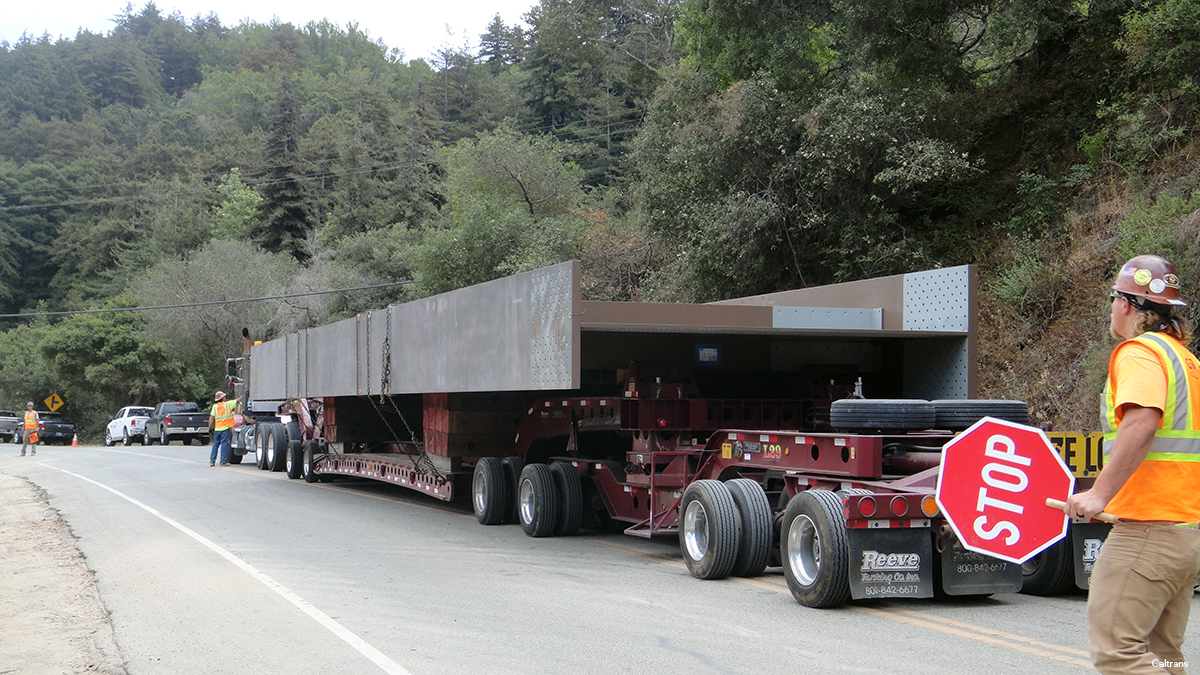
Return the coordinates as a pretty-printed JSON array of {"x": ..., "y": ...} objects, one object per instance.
[{"x": 200, "y": 304}]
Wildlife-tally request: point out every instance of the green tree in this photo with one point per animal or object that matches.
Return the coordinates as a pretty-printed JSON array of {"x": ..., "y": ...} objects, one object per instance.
[
  {"x": 99, "y": 364},
  {"x": 286, "y": 215}
]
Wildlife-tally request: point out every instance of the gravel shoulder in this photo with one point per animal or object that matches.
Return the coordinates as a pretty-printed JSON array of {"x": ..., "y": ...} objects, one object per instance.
[{"x": 52, "y": 620}]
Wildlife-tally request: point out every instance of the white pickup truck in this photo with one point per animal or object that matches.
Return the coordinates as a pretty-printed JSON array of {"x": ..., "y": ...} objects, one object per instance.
[{"x": 128, "y": 424}]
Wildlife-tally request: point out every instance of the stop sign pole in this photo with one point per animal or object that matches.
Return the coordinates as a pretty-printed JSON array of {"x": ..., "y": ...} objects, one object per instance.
[{"x": 993, "y": 485}]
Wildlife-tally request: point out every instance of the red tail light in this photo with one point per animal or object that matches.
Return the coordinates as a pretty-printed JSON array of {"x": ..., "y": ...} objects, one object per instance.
[{"x": 168, "y": 420}]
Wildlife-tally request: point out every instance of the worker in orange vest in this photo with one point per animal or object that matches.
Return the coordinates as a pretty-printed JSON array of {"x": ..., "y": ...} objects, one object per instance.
[
  {"x": 221, "y": 421},
  {"x": 31, "y": 425}
]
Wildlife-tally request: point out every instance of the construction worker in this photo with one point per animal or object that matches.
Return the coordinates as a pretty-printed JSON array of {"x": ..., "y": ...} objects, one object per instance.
[
  {"x": 1142, "y": 583},
  {"x": 31, "y": 425},
  {"x": 220, "y": 419}
]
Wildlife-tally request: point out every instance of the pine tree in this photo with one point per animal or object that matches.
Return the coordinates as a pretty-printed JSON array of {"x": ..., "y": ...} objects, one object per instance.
[{"x": 285, "y": 216}]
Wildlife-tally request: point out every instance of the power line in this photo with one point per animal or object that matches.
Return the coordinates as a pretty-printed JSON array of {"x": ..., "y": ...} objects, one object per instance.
[{"x": 200, "y": 304}]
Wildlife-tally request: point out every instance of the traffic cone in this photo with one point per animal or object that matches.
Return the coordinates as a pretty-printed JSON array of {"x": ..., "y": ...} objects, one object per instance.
[{"x": 75, "y": 441}]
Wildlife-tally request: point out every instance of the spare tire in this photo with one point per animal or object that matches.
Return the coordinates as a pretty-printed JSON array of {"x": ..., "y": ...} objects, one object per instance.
[
  {"x": 959, "y": 414},
  {"x": 871, "y": 415}
]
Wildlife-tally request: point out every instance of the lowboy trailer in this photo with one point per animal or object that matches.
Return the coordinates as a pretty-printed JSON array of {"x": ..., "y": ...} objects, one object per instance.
[{"x": 739, "y": 427}]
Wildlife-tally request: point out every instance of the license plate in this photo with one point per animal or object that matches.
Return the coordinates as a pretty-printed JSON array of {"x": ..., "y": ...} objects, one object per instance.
[{"x": 191, "y": 429}]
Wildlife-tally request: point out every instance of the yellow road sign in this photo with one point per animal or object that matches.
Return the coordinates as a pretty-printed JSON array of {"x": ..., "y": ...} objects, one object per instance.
[{"x": 53, "y": 402}]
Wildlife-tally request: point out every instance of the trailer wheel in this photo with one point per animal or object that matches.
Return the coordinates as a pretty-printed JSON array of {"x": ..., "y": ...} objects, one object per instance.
[
  {"x": 489, "y": 491},
  {"x": 261, "y": 430},
  {"x": 1051, "y": 572},
  {"x": 870, "y": 415},
  {"x": 512, "y": 467},
  {"x": 570, "y": 499},
  {"x": 276, "y": 445},
  {"x": 755, "y": 511},
  {"x": 295, "y": 460},
  {"x": 311, "y": 448},
  {"x": 709, "y": 529},
  {"x": 959, "y": 414},
  {"x": 537, "y": 500},
  {"x": 815, "y": 550}
]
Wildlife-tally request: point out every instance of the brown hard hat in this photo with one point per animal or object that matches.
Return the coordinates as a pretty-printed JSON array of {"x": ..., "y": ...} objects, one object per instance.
[{"x": 1150, "y": 277}]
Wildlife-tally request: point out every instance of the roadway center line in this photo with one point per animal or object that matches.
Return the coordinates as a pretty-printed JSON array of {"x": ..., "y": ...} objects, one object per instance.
[
  {"x": 377, "y": 657},
  {"x": 913, "y": 617}
]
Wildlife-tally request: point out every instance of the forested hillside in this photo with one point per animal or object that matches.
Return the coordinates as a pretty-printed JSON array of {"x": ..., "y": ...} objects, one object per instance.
[{"x": 682, "y": 150}]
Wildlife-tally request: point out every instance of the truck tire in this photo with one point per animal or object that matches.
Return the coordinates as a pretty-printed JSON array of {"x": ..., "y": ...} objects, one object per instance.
[
  {"x": 489, "y": 491},
  {"x": 294, "y": 461},
  {"x": 570, "y": 499},
  {"x": 277, "y": 447},
  {"x": 235, "y": 458},
  {"x": 512, "y": 467},
  {"x": 260, "y": 444},
  {"x": 959, "y": 414},
  {"x": 815, "y": 551},
  {"x": 306, "y": 469},
  {"x": 754, "y": 509},
  {"x": 709, "y": 529},
  {"x": 1051, "y": 572},
  {"x": 537, "y": 499},
  {"x": 108, "y": 440},
  {"x": 164, "y": 437},
  {"x": 875, "y": 415},
  {"x": 125, "y": 439}
]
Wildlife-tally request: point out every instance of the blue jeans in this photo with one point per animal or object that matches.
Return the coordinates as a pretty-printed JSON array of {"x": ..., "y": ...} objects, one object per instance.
[{"x": 220, "y": 443}]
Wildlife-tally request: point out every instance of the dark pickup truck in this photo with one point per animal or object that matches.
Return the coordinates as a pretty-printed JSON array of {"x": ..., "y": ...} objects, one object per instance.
[
  {"x": 11, "y": 424},
  {"x": 178, "y": 420},
  {"x": 54, "y": 430}
]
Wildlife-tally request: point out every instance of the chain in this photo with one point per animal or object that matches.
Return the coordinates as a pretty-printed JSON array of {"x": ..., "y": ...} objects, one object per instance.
[
  {"x": 385, "y": 381},
  {"x": 421, "y": 460}
]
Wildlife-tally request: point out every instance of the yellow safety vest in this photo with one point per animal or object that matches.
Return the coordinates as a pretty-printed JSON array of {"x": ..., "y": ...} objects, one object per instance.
[
  {"x": 223, "y": 415},
  {"x": 31, "y": 419},
  {"x": 1164, "y": 485}
]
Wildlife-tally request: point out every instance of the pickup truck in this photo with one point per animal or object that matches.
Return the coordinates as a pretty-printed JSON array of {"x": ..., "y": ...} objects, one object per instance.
[
  {"x": 180, "y": 420},
  {"x": 53, "y": 429},
  {"x": 128, "y": 424},
  {"x": 11, "y": 424}
]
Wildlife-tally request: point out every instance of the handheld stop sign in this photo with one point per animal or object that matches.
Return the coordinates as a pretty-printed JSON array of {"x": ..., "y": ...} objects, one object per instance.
[{"x": 993, "y": 488}]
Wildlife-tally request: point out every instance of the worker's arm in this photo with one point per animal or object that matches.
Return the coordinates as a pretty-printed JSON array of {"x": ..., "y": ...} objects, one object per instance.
[{"x": 1130, "y": 447}]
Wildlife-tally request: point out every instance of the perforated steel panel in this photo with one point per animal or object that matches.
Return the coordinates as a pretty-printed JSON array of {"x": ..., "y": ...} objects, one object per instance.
[
  {"x": 553, "y": 338},
  {"x": 938, "y": 300},
  {"x": 937, "y": 368}
]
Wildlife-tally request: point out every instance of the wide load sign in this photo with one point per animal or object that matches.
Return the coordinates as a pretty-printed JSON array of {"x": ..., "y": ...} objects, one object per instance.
[{"x": 993, "y": 486}]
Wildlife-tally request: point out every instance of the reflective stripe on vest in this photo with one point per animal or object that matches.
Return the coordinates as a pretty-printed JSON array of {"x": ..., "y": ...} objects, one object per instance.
[
  {"x": 1177, "y": 439},
  {"x": 225, "y": 412},
  {"x": 31, "y": 419}
]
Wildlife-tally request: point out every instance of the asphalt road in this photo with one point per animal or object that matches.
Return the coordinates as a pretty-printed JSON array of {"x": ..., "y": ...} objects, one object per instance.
[{"x": 236, "y": 570}]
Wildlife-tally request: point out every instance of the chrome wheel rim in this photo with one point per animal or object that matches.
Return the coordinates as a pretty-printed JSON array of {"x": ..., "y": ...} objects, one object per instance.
[
  {"x": 525, "y": 495},
  {"x": 695, "y": 530},
  {"x": 804, "y": 550}
]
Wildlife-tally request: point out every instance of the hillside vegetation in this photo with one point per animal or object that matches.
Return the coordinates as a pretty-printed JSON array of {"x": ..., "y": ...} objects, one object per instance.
[{"x": 682, "y": 150}]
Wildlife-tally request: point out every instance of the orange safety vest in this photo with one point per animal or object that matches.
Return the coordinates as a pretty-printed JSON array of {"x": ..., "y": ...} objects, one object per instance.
[
  {"x": 223, "y": 415},
  {"x": 1163, "y": 487},
  {"x": 31, "y": 419}
]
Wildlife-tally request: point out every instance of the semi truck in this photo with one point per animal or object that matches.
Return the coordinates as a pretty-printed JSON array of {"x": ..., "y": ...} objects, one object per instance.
[{"x": 800, "y": 429}]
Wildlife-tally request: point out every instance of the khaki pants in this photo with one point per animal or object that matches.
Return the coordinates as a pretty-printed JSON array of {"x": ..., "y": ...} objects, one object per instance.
[{"x": 1140, "y": 597}]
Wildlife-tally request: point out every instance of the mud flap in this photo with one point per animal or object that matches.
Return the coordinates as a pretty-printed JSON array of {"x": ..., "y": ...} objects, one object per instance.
[
  {"x": 966, "y": 572},
  {"x": 1086, "y": 539},
  {"x": 891, "y": 563}
]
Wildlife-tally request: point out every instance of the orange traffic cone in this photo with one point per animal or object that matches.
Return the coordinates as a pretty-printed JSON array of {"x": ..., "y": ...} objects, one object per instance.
[{"x": 75, "y": 441}]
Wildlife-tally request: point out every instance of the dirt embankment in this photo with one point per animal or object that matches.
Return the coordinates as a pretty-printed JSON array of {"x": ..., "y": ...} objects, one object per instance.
[{"x": 52, "y": 621}]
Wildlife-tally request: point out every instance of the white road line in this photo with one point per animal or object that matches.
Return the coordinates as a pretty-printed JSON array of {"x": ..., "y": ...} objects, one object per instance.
[{"x": 377, "y": 657}]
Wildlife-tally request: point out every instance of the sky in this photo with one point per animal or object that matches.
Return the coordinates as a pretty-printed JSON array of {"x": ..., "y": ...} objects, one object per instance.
[{"x": 418, "y": 28}]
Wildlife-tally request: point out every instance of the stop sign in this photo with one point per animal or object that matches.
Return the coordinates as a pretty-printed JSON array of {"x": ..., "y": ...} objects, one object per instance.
[{"x": 993, "y": 486}]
